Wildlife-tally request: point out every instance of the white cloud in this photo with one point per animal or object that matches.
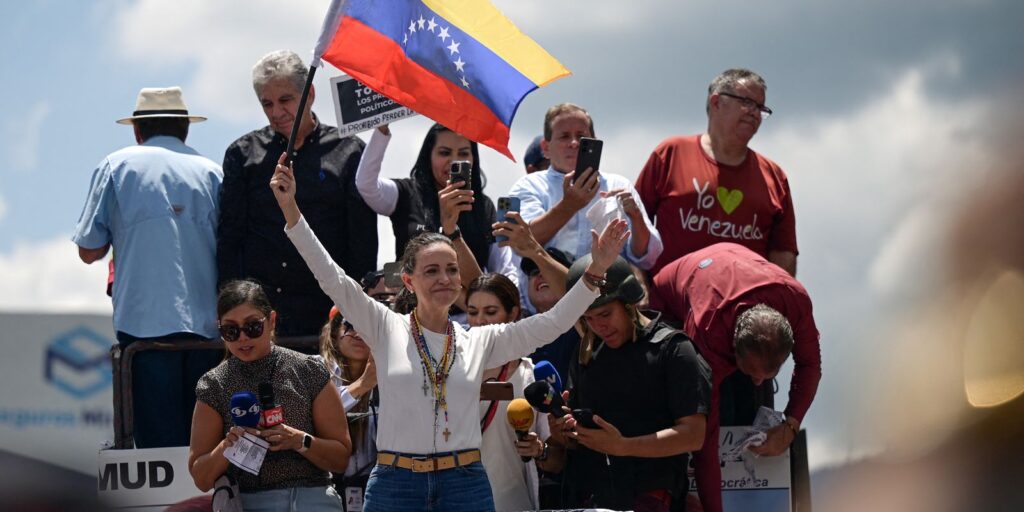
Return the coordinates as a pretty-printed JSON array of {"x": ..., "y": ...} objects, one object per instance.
[
  {"x": 22, "y": 132},
  {"x": 197, "y": 33},
  {"x": 47, "y": 276},
  {"x": 874, "y": 191}
]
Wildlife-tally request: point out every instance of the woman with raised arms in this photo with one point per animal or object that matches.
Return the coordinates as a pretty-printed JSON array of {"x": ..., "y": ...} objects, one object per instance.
[{"x": 429, "y": 369}]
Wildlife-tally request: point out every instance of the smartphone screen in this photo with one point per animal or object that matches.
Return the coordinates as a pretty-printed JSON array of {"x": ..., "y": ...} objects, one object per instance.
[{"x": 589, "y": 156}]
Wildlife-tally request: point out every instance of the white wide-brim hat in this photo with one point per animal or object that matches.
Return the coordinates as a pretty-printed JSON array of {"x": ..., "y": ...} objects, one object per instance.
[{"x": 160, "y": 102}]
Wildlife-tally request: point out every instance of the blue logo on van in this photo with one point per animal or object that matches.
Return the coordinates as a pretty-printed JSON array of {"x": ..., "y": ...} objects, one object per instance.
[{"x": 78, "y": 362}]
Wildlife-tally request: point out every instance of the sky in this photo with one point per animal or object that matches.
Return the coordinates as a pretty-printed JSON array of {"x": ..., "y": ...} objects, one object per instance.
[{"x": 889, "y": 117}]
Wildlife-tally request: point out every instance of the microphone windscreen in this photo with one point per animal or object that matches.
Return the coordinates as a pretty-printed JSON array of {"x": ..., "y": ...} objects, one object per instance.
[
  {"x": 543, "y": 397},
  {"x": 245, "y": 410},
  {"x": 520, "y": 415},
  {"x": 547, "y": 371}
]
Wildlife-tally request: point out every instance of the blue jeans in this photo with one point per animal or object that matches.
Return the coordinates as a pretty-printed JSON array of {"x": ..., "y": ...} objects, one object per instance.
[
  {"x": 460, "y": 489},
  {"x": 294, "y": 499}
]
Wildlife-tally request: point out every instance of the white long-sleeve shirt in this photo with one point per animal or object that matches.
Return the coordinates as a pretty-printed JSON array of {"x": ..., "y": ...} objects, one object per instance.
[
  {"x": 406, "y": 414},
  {"x": 381, "y": 194}
]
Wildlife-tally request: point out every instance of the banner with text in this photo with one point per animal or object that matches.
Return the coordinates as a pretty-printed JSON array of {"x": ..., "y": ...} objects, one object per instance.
[
  {"x": 359, "y": 108},
  {"x": 56, "y": 398},
  {"x": 147, "y": 479},
  {"x": 750, "y": 482}
]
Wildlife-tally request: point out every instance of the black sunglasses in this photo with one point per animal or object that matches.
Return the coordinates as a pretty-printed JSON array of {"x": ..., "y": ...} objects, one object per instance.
[{"x": 252, "y": 329}]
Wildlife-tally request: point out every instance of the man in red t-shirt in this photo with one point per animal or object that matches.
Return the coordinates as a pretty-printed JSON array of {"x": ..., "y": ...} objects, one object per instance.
[
  {"x": 711, "y": 188},
  {"x": 742, "y": 313}
]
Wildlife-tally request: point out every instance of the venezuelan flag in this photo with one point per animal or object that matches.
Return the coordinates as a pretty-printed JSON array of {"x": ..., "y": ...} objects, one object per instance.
[{"x": 461, "y": 63}]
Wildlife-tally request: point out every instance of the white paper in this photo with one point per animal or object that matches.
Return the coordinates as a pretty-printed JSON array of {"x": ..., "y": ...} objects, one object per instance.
[
  {"x": 603, "y": 213},
  {"x": 353, "y": 499},
  {"x": 248, "y": 453},
  {"x": 756, "y": 435}
]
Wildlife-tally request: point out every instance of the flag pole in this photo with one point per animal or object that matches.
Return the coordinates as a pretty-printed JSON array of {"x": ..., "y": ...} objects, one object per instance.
[
  {"x": 300, "y": 113},
  {"x": 330, "y": 24}
]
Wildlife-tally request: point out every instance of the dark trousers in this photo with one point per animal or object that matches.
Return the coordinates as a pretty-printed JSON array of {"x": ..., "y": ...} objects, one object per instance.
[
  {"x": 740, "y": 399},
  {"x": 164, "y": 389}
]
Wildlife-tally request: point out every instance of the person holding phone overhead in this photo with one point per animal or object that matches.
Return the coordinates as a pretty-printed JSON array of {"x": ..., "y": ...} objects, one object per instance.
[
  {"x": 429, "y": 201},
  {"x": 429, "y": 369},
  {"x": 555, "y": 201}
]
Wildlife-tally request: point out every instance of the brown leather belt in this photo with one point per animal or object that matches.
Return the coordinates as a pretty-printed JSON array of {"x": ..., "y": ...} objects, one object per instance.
[{"x": 428, "y": 464}]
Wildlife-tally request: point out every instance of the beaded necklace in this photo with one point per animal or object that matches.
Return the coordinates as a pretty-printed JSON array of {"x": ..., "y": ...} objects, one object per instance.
[{"x": 434, "y": 370}]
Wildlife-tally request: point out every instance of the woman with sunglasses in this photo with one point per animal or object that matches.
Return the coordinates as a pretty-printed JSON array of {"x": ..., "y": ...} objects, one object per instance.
[
  {"x": 311, "y": 442},
  {"x": 347, "y": 357},
  {"x": 429, "y": 369}
]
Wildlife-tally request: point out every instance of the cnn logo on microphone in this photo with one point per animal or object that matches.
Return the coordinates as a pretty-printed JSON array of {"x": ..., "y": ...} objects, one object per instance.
[{"x": 273, "y": 417}]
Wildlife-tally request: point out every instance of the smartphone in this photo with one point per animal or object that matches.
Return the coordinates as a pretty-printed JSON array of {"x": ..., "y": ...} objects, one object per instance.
[
  {"x": 584, "y": 417},
  {"x": 589, "y": 156},
  {"x": 496, "y": 390},
  {"x": 505, "y": 205},
  {"x": 462, "y": 170},
  {"x": 393, "y": 275}
]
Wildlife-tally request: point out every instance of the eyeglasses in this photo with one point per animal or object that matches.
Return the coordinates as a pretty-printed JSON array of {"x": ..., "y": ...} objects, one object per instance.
[
  {"x": 252, "y": 329},
  {"x": 750, "y": 104}
]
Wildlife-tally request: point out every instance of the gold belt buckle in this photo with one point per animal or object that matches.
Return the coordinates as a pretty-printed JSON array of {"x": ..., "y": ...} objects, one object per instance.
[{"x": 424, "y": 464}]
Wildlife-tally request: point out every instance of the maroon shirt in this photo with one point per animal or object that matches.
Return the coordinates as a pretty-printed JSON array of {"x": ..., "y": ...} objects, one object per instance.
[
  {"x": 696, "y": 202},
  {"x": 706, "y": 291}
]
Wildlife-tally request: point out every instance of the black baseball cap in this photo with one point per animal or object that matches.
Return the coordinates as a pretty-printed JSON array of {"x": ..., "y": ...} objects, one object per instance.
[{"x": 559, "y": 255}]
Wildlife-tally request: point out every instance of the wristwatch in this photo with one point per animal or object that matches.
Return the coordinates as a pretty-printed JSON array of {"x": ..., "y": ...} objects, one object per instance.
[
  {"x": 544, "y": 453},
  {"x": 455, "y": 235},
  {"x": 307, "y": 441},
  {"x": 595, "y": 280}
]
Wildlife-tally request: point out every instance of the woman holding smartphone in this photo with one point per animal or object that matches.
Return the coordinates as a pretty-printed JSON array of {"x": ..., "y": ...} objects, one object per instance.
[
  {"x": 428, "y": 201},
  {"x": 429, "y": 369}
]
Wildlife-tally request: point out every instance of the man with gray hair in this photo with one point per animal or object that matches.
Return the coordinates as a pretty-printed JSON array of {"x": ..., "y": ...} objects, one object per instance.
[
  {"x": 710, "y": 188},
  {"x": 250, "y": 237},
  {"x": 743, "y": 313}
]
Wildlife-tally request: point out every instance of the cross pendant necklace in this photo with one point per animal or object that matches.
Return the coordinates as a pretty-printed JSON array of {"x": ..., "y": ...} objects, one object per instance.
[{"x": 446, "y": 433}]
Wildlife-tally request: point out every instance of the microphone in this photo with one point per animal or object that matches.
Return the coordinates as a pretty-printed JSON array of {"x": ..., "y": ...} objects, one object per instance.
[
  {"x": 273, "y": 413},
  {"x": 543, "y": 397},
  {"x": 520, "y": 416},
  {"x": 547, "y": 371},
  {"x": 245, "y": 410}
]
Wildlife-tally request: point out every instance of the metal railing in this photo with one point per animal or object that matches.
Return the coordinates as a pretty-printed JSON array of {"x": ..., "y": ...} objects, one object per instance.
[{"x": 121, "y": 365}]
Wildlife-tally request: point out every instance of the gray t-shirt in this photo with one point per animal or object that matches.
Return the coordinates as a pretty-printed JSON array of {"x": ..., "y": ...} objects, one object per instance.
[{"x": 297, "y": 380}]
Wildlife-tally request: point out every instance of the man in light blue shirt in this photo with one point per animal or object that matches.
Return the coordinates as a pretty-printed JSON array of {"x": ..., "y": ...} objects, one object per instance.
[
  {"x": 155, "y": 204},
  {"x": 556, "y": 206}
]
